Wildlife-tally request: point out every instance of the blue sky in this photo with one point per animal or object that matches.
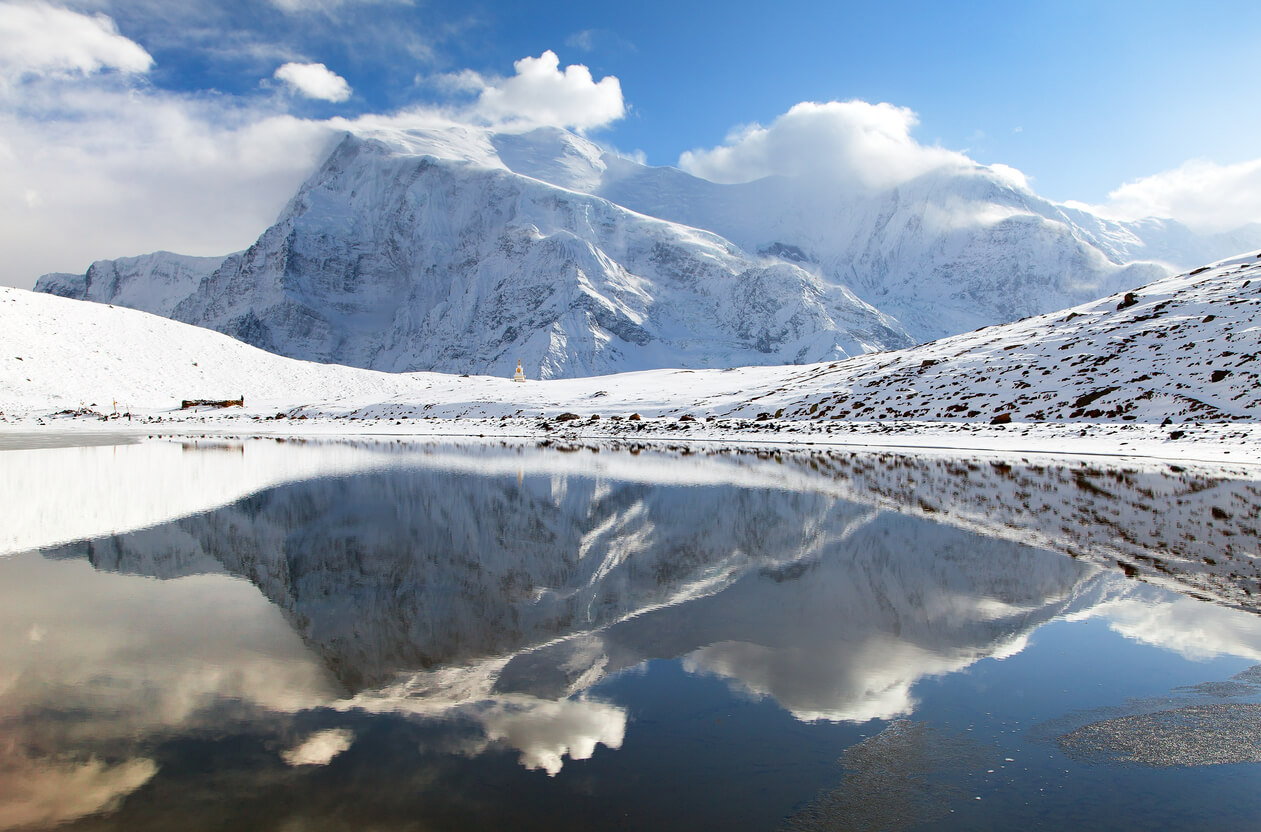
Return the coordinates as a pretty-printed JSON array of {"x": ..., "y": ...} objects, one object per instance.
[
  {"x": 129, "y": 125},
  {"x": 1081, "y": 96}
]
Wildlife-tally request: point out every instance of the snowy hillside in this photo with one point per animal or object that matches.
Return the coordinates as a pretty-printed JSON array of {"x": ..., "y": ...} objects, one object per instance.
[
  {"x": 390, "y": 260},
  {"x": 1185, "y": 348},
  {"x": 60, "y": 354}
]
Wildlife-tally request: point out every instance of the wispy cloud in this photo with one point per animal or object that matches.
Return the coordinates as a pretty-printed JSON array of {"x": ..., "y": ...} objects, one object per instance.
[
  {"x": 327, "y": 6},
  {"x": 584, "y": 40},
  {"x": 38, "y": 39},
  {"x": 602, "y": 40},
  {"x": 1205, "y": 195},
  {"x": 228, "y": 37}
]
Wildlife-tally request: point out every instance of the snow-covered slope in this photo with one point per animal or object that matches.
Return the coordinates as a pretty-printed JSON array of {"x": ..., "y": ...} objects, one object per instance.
[
  {"x": 66, "y": 354},
  {"x": 391, "y": 260},
  {"x": 1184, "y": 348}
]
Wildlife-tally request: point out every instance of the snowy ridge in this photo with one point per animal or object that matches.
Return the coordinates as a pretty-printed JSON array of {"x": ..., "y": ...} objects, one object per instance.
[{"x": 152, "y": 282}]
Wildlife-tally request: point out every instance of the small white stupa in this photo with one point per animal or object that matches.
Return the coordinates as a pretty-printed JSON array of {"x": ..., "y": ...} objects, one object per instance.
[{"x": 519, "y": 375}]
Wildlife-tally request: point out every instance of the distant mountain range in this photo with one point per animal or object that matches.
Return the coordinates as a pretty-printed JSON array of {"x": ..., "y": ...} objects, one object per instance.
[{"x": 463, "y": 251}]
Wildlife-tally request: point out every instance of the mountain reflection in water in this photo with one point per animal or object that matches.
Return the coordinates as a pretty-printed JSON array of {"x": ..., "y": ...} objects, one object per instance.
[{"x": 486, "y": 597}]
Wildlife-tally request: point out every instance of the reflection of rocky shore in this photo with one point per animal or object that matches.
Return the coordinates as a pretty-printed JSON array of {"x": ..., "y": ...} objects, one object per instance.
[{"x": 1193, "y": 528}]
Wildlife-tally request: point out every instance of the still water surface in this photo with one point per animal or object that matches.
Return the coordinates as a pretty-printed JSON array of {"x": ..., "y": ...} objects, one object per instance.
[{"x": 264, "y": 635}]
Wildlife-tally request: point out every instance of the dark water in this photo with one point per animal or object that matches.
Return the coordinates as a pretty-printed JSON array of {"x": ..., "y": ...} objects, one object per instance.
[{"x": 277, "y": 636}]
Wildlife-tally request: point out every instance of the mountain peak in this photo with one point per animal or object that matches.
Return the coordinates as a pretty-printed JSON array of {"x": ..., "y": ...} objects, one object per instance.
[{"x": 553, "y": 155}]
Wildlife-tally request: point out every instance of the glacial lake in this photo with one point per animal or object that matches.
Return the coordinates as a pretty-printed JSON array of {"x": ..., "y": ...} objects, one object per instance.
[{"x": 259, "y": 634}]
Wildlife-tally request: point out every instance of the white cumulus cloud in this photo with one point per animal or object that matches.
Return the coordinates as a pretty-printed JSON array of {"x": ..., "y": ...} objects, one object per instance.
[
  {"x": 851, "y": 143},
  {"x": 540, "y": 93},
  {"x": 42, "y": 39},
  {"x": 314, "y": 81},
  {"x": 1205, "y": 195},
  {"x": 320, "y": 748},
  {"x": 546, "y": 732}
]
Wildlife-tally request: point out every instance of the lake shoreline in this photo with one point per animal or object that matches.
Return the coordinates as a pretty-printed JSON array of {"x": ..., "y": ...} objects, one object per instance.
[{"x": 1213, "y": 443}]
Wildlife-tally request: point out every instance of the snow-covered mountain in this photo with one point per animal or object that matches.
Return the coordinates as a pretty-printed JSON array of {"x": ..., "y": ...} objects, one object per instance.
[
  {"x": 153, "y": 282},
  {"x": 391, "y": 260},
  {"x": 947, "y": 252},
  {"x": 458, "y": 249}
]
